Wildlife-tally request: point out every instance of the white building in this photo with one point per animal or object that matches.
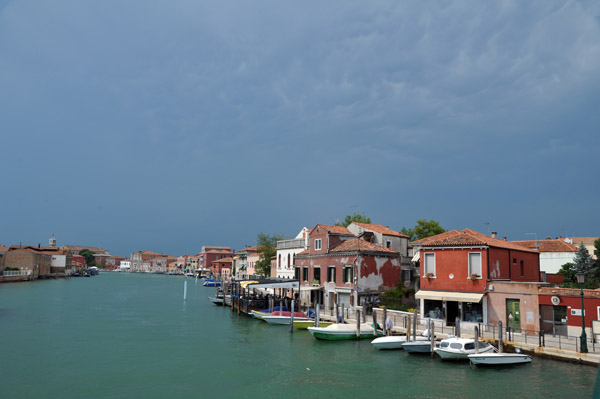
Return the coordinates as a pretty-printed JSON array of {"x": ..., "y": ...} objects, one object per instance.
[
  {"x": 287, "y": 250},
  {"x": 553, "y": 253}
]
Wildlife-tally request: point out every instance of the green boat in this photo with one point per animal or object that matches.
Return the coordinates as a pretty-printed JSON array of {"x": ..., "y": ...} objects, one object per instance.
[
  {"x": 336, "y": 332},
  {"x": 304, "y": 324}
]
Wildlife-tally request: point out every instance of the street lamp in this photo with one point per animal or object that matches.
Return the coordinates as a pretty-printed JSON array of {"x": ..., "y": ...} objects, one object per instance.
[{"x": 581, "y": 280}]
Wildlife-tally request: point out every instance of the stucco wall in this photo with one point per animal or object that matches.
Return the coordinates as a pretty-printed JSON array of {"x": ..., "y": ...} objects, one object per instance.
[{"x": 526, "y": 293}]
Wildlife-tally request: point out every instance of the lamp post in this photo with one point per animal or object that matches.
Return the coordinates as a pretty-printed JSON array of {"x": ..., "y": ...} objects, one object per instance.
[{"x": 584, "y": 349}]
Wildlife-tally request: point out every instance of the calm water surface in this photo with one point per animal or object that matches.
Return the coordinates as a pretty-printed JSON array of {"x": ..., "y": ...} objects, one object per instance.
[{"x": 121, "y": 335}]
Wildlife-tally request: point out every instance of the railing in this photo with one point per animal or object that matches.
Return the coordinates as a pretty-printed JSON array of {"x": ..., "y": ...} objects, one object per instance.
[
  {"x": 16, "y": 273},
  {"x": 287, "y": 244}
]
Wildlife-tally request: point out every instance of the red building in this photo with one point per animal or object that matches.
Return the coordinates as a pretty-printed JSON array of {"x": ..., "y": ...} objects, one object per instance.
[
  {"x": 340, "y": 268},
  {"x": 560, "y": 310},
  {"x": 457, "y": 269},
  {"x": 210, "y": 254}
]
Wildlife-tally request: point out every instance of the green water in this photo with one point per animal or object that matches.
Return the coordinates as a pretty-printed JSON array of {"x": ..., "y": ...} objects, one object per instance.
[{"x": 121, "y": 335}]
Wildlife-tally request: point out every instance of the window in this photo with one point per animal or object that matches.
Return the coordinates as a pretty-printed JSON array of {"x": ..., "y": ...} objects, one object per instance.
[
  {"x": 429, "y": 262},
  {"x": 288, "y": 264},
  {"x": 305, "y": 274},
  {"x": 331, "y": 274},
  {"x": 388, "y": 244},
  {"x": 317, "y": 274},
  {"x": 317, "y": 244},
  {"x": 348, "y": 274},
  {"x": 475, "y": 264},
  {"x": 522, "y": 269},
  {"x": 297, "y": 273}
]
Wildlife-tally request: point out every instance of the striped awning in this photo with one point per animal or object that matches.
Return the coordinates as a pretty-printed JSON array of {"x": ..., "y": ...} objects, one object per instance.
[{"x": 472, "y": 297}]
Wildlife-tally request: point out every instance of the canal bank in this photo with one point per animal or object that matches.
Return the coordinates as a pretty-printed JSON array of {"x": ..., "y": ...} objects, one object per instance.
[{"x": 124, "y": 335}]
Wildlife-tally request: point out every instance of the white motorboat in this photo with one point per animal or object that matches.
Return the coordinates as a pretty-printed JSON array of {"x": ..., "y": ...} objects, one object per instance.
[
  {"x": 218, "y": 300},
  {"x": 499, "y": 359},
  {"x": 457, "y": 348},
  {"x": 419, "y": 346},
  {"x": 283, "y": 319},
  {"x": 393, "y": 341}
]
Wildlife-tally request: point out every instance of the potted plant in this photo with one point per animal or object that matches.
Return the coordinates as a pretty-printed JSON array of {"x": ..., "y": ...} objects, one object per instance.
[
  {"x": 428, "y": 276},
  {"x": 474, "y": 276}
]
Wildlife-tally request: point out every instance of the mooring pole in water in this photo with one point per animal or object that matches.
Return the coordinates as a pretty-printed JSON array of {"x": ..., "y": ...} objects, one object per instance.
[
  {"x": 292, "y": 317},
  {"x": 415, "y": 325},
  {"x": 357, "y": 324},
  {"x": 408, "y": 329},
  {"x": 318, "y": 315},
  {"x": 385, "y": 330},
  {"x": 432, "y": 336},
  {"x": 500, "y": 342},
  {"x": 337, "y": 313},
  {"x": 185, "y": 290},
  {"x": 476, "y": 340},
  {"x": 342, "y": 312},
  {"x": 196, "y": 279},
  {"x": 375, "y": 323},
  {"x": 280, "y": 308}
]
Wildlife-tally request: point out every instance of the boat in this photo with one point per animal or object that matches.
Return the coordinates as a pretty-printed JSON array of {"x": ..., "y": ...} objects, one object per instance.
[
  {"x": 217, "y": 300},
  {"x": 340, "y": 331},
  {"x": 258, "y": 314},
  {"x": 419, "y": 346},
  {"x": 499, "y": 359},
  {"x": 284, "y": 317},
  {"x": 228, "y": 300},
  {"x": 457, "y": 348},
  {"x": 211, "y": 283},
  {"x": 304, "y": 324},
  {"x": 393, "y": 341}
]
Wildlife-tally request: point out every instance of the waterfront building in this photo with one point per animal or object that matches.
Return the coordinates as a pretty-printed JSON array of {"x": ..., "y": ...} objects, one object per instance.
[
  {"x": 245, "y": 262},
  {"x": 283, "y": 265},
  {"x": 30, "y": 262},
  {"x": 221, "y": 267},
  {"x": 113, "y": 262},
  {"x": 100, "y": 254},
  {"x": 460, "y": 268},
  {"x": 212, "y": 253},
  {"x": 160, "y": 264},
  {"x": 560, "y": 310},
  {"x": 339, "y": 268},
  {"x": 141, "y": 261},
  {"x": 125, "y": 265}
]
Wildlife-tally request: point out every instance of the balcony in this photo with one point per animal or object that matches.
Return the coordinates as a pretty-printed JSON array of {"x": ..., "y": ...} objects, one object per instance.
[{"x": 289, "y": 244}]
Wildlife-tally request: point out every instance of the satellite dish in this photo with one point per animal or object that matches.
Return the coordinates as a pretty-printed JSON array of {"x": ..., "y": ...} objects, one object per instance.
[{"x": 555, "y": 300}]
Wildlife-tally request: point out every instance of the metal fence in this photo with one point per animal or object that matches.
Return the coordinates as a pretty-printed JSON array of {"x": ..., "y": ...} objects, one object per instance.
[{"x": 16, "y": 273}]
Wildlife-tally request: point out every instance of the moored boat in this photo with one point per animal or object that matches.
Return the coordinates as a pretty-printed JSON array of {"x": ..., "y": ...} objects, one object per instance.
[
  {"x": 393, "y": 341},
  {"x": 304, "y": 324},
  {"x": 337, "y": 332},
  {"x": 419, "y": 346},
  {"x": 217, "y": 300},
  {"x": 457, "y": 348},
  {"x": 284, "y": 317},
  {"x": 499, "y": 359}
]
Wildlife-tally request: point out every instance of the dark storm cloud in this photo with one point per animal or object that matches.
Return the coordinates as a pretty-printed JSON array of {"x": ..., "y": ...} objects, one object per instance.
[{"x": 168, "y": 125}]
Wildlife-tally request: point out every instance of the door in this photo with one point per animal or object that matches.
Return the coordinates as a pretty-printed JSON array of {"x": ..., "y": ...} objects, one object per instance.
[
  {"x": 451, "y": 312},
  {"x": 513, "y": 314}
]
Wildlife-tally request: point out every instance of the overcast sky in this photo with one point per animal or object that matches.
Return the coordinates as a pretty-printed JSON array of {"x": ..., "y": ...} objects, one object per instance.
[{"x": 168, "y": 125}]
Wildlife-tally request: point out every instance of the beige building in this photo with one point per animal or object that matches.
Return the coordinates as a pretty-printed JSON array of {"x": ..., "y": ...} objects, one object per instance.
[{"x": 588, "y": 243}]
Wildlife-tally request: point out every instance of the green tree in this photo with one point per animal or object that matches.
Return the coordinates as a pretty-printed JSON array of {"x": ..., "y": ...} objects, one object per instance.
[
  {"x": 357, "y": 217},
  {"x": 267, "y": 248},
  {"x": 88, "y": 256},
  {"x": 423, "y": 229},
  {"x": 583, "y": 263},
  {"x": 568, "y": 272}
]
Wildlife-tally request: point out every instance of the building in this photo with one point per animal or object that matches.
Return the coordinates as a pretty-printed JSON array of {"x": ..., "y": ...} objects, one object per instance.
[
  {"x": 339, "y": 268},
  {"x": 460, "y": 267},
  {"x": 560, "y": 310},
  {"x": 31, "y": 261},
  {"x": 554, "y": 253},
  {"x": 286, "y": 252},
  {"x": 245, "y": 262},
  {"x": 209, "y": 254},
  {"x": 113, "y": 262},
  {"x": 221, "y": 267},
  {"x": 141, "y": 261}
]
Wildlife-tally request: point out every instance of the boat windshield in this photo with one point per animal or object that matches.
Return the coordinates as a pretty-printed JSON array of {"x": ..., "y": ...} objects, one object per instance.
[
  {"x": 470, "y": 345},
  {"x": 444, "y": 345},
  {"x": 482, "y": 345}
]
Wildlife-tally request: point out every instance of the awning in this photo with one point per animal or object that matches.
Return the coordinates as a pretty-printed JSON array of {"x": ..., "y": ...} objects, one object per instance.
[
  {"x": 309, "y": 288},
  {"x": 450, "y": 296},
  {"x": 244, "y": 284},
  {"x": 416, "y": 257},
  {"x": 288, "y": 285}
]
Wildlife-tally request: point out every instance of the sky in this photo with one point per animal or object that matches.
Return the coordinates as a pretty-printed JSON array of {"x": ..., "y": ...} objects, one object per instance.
[{"x": 169, "y": 125}]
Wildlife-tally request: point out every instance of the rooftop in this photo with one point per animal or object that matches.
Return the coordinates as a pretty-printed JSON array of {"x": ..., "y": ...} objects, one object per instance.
[
  {"x": 468, "y": 237},
  {"x": 378, "y": 228}
]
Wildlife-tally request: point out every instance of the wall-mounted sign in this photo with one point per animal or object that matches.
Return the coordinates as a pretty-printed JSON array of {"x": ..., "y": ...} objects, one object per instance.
[
  {"x": 576, "y": 312},
  {"x": 555, "y": 300}
]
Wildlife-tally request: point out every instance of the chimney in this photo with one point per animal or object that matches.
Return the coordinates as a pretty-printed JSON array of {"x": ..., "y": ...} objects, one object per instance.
[
  {"x": 505, "y": 238},
  {"x": 494, "y": 234}
]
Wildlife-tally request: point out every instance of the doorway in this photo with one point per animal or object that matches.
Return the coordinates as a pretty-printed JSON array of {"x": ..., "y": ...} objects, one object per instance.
[
  {"x": 451, "y": 313},
  {"x": 513, "y": 314}
]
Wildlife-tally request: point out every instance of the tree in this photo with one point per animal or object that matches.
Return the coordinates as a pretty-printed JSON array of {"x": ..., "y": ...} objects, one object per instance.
[
  {"x": 568, "y": 272},
  {"x": 88, "y": 256},
  {"x": 583, "y": 263},
  {"x": 267, "y": 248},
  {"x": 357, "y": 217},
  {"x": 423, "y": 229}
]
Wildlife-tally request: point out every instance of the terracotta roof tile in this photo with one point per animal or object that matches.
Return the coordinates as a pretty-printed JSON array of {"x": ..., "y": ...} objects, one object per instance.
[
  {"x": 557, "y": 245},
  {"x": 467, "y": 237},
  {"x": 378, "y": 228},
  {"x": 356, "y": 244},
  {"x": 224, "y": 260},
  {"x": 331, "y": 229}
]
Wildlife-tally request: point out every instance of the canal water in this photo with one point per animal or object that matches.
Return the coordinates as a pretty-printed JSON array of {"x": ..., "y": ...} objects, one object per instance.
[{"x": 120, "y": 335}]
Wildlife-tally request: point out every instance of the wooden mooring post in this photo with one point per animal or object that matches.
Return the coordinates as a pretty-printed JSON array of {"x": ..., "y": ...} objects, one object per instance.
[
  {"x": 318, "y": 315},
  {"x": 375, "y": 324},
  {"x": 357, "y": 324},
  {"x": 385, "y": 330},
  {"x": 337, "y": 313},
  {"x": 432, "y": 336},
  {"x": 292, "y": 317},
  {"x": 500, "y": 343}
]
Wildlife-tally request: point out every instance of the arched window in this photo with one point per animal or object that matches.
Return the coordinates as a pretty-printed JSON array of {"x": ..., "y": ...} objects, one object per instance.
[{"x": 279, "y": 261}]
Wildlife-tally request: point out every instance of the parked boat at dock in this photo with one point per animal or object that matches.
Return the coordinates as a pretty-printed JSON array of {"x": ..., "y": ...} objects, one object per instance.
[
  {"x": 393, "y": 341},
  {"x": 457, "y": 348},
  {"x": 216, "y": 300},
  {"x": 340, "y": 331},
  {"x": 419, "y": 346},
  {"x": 499, "y": 359},
  {"x": 284, "y": 317},
  {"x": 304, "y": 324}
]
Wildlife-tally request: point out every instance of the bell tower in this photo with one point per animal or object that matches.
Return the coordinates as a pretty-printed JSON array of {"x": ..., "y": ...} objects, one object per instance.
[{"x": 53, "y": 241}]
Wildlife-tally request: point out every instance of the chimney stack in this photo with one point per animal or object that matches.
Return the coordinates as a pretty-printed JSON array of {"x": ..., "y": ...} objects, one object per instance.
[{"x": 494, "y": 234}]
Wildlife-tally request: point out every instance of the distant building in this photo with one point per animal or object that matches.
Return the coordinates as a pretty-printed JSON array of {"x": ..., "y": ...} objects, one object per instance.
[
  {"x": 286, "y": 253},
  {"x": 554, "y": 253},
  {"x": 141, "y": 261},
  {"x": 208, "y": 254},
  {"x": 588, "y": 243}
]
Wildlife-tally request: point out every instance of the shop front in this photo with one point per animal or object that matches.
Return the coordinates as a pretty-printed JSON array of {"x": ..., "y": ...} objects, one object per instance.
[{"x": 449, "y": 305}]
